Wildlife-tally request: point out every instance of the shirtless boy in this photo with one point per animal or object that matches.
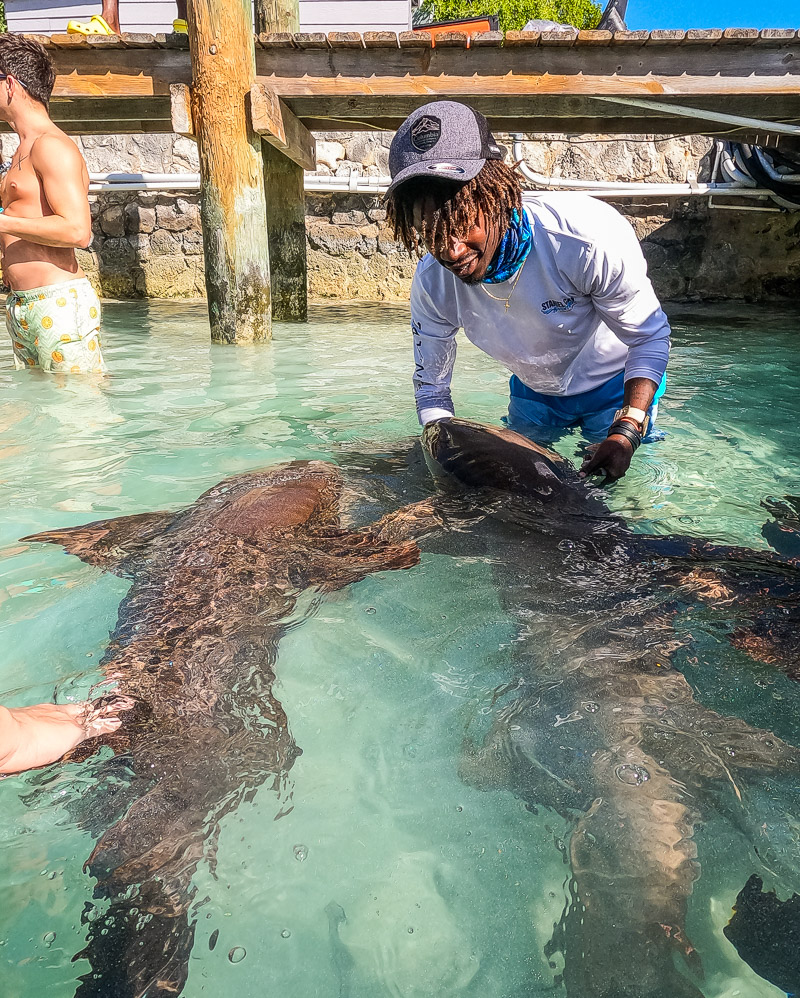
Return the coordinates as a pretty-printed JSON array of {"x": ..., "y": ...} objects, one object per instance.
[{"x": 52, "y": 313}]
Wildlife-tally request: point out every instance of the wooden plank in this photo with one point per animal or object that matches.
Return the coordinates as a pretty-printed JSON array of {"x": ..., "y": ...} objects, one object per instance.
[
  {"x": 232, "y": 205},
  {"x": 41, "y": 39},
  {"x": 695, "y": 36},
  {"x": 311, "y": 40},
  {"x": 181, "y": 110},
  {"x": 69, "y": 41},
  {"x": 779, "y": 35},
  {"x": 564, "y": 39},
  {"x": 665, "y": 37},
  {"x": 414, "y": 40},
  {"x": 138, "y": 40},
  {"x": 110, "y": 110},
  {"x": 739, "y": 35},
  {"x": 276, "y": 40},
  {"x": 522, "y": 84},
  {"x": 522, "y": 39},
  {"x": 594, "y": 37},
  {"x": 279, "y": 126},
  {"x": 345, "y": 40},
  {"x": 178, "y": 40},
  {"x": 381, "y": 40},
  {"x": 629, "y": 38},
  {"x": 286, "y": 229},
  {"x": 105, "y": 41},
  {"x": 487, "y": 39},
  {"x": 452, "y": 39}
]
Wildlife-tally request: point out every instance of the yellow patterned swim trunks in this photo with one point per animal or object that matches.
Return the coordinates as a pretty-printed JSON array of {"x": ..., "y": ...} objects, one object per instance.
[{"x": 56, "y": 328}]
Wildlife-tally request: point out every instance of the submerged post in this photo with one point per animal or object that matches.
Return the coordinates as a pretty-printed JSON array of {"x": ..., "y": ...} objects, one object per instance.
[{"x": 233, "y": 207}]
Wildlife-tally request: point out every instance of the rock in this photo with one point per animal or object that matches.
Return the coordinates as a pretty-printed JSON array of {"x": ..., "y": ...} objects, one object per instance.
[
  {"x": 193, "y": 241},
  {"x": 169, "y": 277},
  {"x": 329, "y": 153},
  {"x": 112, "y": 220},
  {"x": 348, "y": 218},
  {"x": 138, "y": 218},
  {"x": 116, "y": 254},
  {"x": 164, "y": 243},
  {"x": 140, "y": 244},
  {"x": 185, "y": 158},
  {"x": 171, "y": 218}
]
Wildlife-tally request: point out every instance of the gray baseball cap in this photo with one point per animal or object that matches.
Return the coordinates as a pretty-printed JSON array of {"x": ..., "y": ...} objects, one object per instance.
[{"x": 444, "y": 140}]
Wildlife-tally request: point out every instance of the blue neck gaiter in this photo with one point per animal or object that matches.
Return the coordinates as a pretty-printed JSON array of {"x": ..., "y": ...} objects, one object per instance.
[{"x": 514, "y": 247}]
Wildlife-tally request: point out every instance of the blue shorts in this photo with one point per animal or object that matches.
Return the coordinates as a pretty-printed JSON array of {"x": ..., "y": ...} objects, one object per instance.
[{"x": 593, "y": 411}]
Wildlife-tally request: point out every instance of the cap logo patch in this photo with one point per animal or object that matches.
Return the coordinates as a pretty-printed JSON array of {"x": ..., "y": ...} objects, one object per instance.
[{"x": 426, "y": 132}]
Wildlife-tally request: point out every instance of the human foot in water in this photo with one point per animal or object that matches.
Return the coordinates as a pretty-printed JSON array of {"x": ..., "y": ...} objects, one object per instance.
[{"x": 36, "y": 736}]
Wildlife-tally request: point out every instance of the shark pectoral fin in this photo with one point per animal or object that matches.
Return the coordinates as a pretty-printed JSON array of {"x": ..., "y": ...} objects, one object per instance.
[
  {"x": 693, "y": 549},
  {"x": 108, "y": 544},
  {"x": 349, "y": 556},
  {"x": 409, "y": 522}
]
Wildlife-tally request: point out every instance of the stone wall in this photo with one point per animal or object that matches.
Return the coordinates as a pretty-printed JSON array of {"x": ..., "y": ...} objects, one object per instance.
[{"x": 150, "y": 244}]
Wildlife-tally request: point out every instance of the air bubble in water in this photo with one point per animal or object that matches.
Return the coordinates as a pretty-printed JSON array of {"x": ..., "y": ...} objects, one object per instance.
[
  {"x": 410, "y": 930},
  {"x": 370, "y": 609},
  {"x": 631, "y": 774},
  {"x": 591, "y": 707},
  {"x": 237, "y": 954},
  {"x": 49, "y": 938},
  {"x": 285, "y": 933},
  {"x": 565, "y": 545},
  {"x": 300, "y": 852},
  {"x": 459, "y": 807}
]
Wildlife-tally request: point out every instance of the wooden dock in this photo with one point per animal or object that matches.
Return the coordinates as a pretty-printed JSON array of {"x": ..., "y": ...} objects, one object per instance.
[{"x": 523, "y": 81}]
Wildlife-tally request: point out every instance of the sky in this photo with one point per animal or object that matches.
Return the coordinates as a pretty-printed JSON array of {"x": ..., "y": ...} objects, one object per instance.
[{"x": 649, "y": 14}]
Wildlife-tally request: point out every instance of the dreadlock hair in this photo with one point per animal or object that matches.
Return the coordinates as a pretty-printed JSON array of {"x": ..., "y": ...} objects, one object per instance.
[
  {"x": 30, "y": 63},
  {"x": 494, "y": 193}
]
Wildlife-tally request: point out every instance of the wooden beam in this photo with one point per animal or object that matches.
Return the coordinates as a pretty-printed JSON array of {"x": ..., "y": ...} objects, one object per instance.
[
  {"x": 286, "y": 227},
  {"x": 181, "y": 110},
  {"x": 279, "y": 126},
  {"x": 232, "y": 205}
]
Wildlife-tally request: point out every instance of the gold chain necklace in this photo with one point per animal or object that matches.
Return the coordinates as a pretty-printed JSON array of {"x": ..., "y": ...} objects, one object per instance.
[{"x": 513, "y": 286}]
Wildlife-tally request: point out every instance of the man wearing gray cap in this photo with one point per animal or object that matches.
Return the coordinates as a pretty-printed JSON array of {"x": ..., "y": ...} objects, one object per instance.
[{"x": 554, "y": 286}]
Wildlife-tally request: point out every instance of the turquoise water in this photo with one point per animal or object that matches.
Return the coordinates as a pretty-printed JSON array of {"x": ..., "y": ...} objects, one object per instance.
[{"x": 447, "y": 890}]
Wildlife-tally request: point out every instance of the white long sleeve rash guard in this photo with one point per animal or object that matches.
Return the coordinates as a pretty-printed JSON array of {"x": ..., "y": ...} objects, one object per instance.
[{"x": 583, "y": 309}]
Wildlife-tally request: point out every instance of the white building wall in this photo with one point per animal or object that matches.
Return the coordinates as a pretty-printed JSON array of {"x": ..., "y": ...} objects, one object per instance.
[{"x": 50, "y": 16}]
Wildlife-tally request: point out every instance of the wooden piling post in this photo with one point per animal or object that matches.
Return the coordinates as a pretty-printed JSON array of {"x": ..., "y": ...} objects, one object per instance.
[
  {"x": 288, "y": 148},
  {"x": 277, "y": 15},
  {"x": 286, "y": 227},
  {"x": 233, "y": 209}
]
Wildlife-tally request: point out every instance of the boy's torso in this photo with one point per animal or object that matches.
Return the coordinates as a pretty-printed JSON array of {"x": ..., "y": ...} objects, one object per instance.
[{"x": 26, "y": 264}]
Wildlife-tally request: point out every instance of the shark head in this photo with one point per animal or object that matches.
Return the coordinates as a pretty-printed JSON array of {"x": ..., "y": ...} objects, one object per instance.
[{"x": 489, "y": 457}]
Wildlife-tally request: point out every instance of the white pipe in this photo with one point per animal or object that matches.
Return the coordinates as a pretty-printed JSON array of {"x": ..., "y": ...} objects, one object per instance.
[
  {"x": 777, "y": 127},
  {"x": 110, "y": 182}
]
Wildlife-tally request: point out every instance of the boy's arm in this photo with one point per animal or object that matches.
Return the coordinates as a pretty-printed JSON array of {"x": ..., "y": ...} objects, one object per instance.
[{"x": 65, "y": 183}]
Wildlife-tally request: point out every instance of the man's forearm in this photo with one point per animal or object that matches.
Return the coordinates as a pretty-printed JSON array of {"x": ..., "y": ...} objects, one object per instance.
[
  {"x": 639, "y": 393},
  {"x": 53, "y": 230}
]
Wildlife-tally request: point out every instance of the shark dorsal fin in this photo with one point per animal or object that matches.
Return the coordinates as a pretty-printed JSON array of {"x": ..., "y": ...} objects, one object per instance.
[{"x": 109, "y": 544}]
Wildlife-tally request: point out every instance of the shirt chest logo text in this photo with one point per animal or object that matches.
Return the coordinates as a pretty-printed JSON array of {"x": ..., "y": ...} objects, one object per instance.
[{"x": 556, "y": 305}]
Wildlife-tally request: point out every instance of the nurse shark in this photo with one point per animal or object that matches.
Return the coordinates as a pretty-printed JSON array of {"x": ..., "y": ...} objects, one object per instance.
[
  {"x": 194, "y": 651},
  {"x": 597, "y": 724}
]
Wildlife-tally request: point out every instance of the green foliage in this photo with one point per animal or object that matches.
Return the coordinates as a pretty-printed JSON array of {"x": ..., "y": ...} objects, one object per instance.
[
  {"x": 3, "y": 25},
  {"x": 514, "y": 14}
]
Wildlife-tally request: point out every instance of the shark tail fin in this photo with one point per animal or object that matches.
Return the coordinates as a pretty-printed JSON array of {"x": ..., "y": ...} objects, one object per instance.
[
  {"x": 764, "y": 931},
  {"x": 108, "y": 543}
]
